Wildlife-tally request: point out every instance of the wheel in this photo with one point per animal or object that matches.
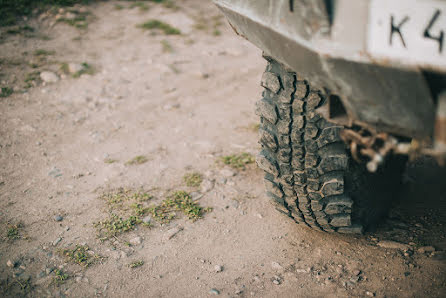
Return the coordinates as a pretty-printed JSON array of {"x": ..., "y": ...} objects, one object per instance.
[{"x": 309, "y": 173}]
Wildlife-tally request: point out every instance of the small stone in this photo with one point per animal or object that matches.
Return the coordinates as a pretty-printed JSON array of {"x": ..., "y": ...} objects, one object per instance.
[
  {"x": 58, "y": 218},
  {"x": 57, "y": 241},
  {"x": 10, "y": 264},
  {"x": 276, "y": 266},
  {"x": 75, "y": 67},
  {"x": 370, "y": 294},
  {"x": 49, "y": 77},
  {"x": 356, "y": 272},
  {"x": 426, "y": 249},
  {"x": 135, "y": 241},
  {"x": 206, "y": 186},
  {"x": 227, "y": 173},
  {"x": 147, "y": 219},
  {"x": 392, "y": 245},
  {"x": 218, "y": 268},
  {"x": 222, "y": 180},
  {"x": 276, "y": 282},
  {"x": 214, "y": 292},
  {"x": 70, "y": 16},
  {"x": 171, "y": 233},
  {"x": 49, "y": 270}
]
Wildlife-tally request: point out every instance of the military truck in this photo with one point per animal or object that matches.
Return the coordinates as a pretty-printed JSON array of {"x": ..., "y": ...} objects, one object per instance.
[{"x": 352, "y": 89}]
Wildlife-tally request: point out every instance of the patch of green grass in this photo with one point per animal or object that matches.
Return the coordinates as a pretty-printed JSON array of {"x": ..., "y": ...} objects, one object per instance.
[
  {"x": 32, "y": 79},
  {"x": 80, "y": 255},
  {"x": 140, "y": 4},
  {"x": 86, "y": 69},
  {"x": 167, "y": 47},
  {"x": 209, "y": 24},
  {"x": 64, "y": 68},
  {"x": 120, "y": 196},
  {"x": 110, "y": 160},
  {"x": 137, "y": 160},
  {"x": 20, "y": 30},
  {"x": 12, "y": 10},
  {"x": 238, "y": 161},
  {"x": 136, "y": 264},
  {"x": 116, "y": 225},
  {"x": 119, "y": 7},
  {"x": 17, "y": 287},
  {"x": 193, "y": 179},
  {"x": 59, "y": 277},
  {"x": 42, "y": 52},
  {"x": 178, "y": 201},
  {"x": 6, "y": 91},
  {"x": 159, "y": 25},
  {"x": 13, "y": 231},
  {"x": 80, "y": 20}
]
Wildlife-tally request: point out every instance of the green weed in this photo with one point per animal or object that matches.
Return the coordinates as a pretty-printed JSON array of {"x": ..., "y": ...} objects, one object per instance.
[
  {"x": 32, "y": 79},
  {"x": 136, "y": 264},
  {"x": 6, "y": 91},
  {"x": 141, "y": 5},
  {"x": 193, "y": 179},
  {"x": 116, "y": 225},
  {"x": 86, "y": 69},
  {"x": 42, "y": 52},
  {"x": 80, "y": 255},
  {"x": 13, "y": 231},
  {"x": 59, "y": 277},
  {"x": 167, "y": 47},
  {"x": 159, "y": 25},
  {"x": 137, "y": 160},
  {"x": 110, "y": 160},
  {"x": 238, "y": 161},
  {"x": 178, "y": 201}
]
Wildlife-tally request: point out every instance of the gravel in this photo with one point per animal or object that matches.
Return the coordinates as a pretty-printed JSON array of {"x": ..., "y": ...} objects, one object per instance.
[
  {"x": 58, "y": 218},
  {"x": 49, "y": 77}
]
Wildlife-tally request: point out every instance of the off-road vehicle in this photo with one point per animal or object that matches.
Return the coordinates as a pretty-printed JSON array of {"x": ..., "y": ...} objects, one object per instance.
[{"x": 351, "y": 90}]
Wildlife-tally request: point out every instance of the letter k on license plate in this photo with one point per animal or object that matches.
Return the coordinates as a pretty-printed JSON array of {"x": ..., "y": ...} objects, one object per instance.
[{"x": 411, "y": 31}]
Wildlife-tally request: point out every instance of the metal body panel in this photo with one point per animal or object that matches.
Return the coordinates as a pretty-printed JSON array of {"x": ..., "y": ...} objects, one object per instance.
[{"x": 387, "y": 96}]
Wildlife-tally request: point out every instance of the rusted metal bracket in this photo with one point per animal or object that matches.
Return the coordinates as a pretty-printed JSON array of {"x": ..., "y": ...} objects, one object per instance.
[{"x": 373, "y": 147}]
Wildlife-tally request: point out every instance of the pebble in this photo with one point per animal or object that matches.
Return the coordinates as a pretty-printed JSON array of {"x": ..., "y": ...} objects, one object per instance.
[
  {"x": 214, "y": 292},
  {"x": 58, "y": 218},
  {"x": 57, "y": 241},
  {"x": 135, "y": 241},
  {"x": 276, "y": 282},
  {"x": 356, "y": 272},
  {"x": 222, "y": 180},
  {"x": 49, "y": 77},
  {"x": 171, "y": 233},
  {"x": 206, "y": 185},
  {"x": 147, "y": 219},
  {"x": 226, "y": 172},
  {"x": 426, "y": 249},
  {"x": 392, "y": 245},
  {"x": 49, "y": 270},
  {"x": 218, "y": 268},
  {"x": 370, "y": 294},
  {"x": 276, "y": 266},
  {"x": 9, "y": 263},
  {"x": 75, "y": 67}
]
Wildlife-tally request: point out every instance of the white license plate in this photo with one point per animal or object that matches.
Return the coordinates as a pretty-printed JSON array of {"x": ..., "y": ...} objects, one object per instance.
[{"x": 411, "y": 31}]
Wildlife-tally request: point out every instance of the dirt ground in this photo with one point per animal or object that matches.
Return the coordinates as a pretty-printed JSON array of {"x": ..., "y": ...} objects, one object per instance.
[{"x": 180, "y": 103}]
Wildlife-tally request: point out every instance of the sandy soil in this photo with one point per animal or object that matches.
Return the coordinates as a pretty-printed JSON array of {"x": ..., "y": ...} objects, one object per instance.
[{"x": 182, "y": 102}]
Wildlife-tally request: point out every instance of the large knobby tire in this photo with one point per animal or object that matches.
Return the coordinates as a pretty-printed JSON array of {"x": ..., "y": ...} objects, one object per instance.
[{"x": 309, "y": 173}]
